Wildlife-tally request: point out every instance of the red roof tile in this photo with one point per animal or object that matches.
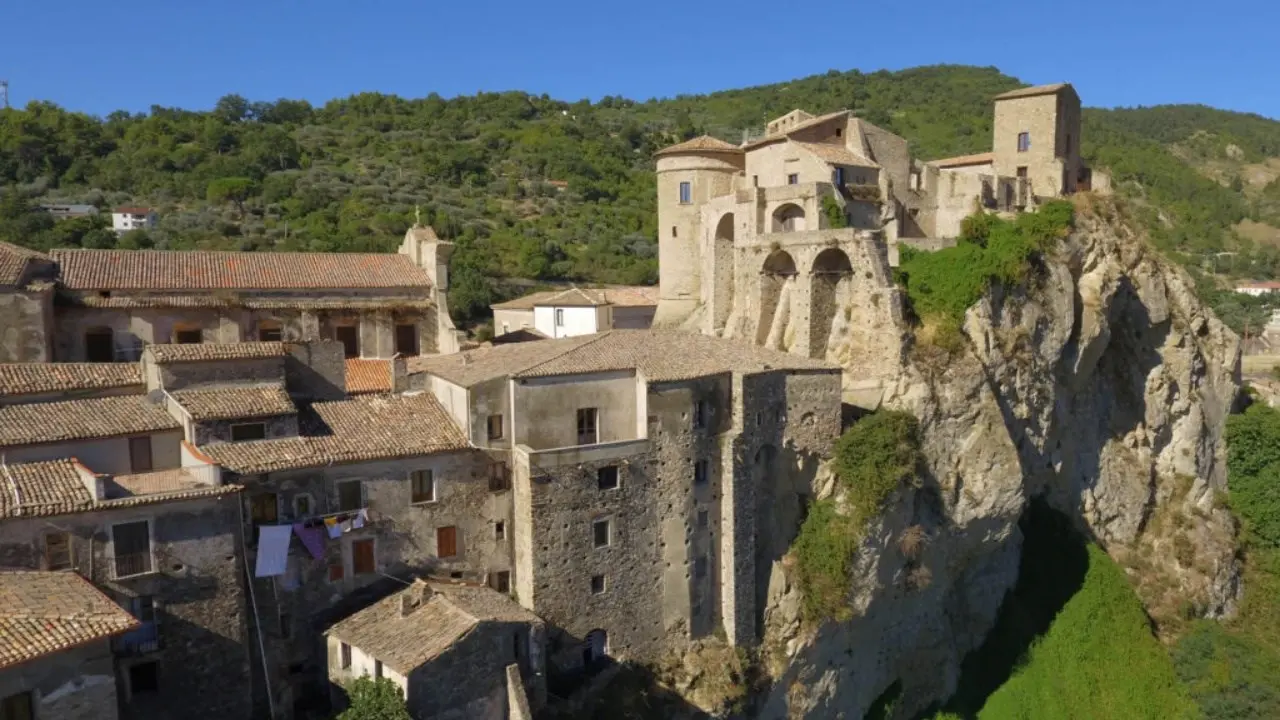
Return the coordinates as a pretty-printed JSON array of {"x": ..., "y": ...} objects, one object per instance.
[{"x": 368, "y": 376}]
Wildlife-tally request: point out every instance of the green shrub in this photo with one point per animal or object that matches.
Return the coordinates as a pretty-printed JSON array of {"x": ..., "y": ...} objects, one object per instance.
[
  {"x": 990, "y": 249},
  {"x": 872, "y": 460},
  {"x": 1253, "y": 456},
  {"x": 372, "y": 699},
  {"x": 834, "y": 214}
]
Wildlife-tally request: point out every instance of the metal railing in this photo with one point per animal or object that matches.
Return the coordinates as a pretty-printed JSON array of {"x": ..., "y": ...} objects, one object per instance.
[
  {"x": 145, "y": 639},
  {"x": 131, "y": 564}
]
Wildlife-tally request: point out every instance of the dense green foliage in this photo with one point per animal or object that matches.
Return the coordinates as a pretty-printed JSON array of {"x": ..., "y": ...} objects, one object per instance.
[
  {"x": 873, "y": 458},
  {"x": 538, "y": 188},
  {"x": 943, "y": 284},
  {"x": 372, "y": 699},
  {"x": 1253, "y": 442}
]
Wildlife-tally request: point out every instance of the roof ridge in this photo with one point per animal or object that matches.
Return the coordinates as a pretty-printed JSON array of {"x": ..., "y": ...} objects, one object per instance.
[{"x": 571, "y": 347}]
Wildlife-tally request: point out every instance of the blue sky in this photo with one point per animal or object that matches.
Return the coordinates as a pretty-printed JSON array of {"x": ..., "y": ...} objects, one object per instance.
[{"x": 100, "y": 56}]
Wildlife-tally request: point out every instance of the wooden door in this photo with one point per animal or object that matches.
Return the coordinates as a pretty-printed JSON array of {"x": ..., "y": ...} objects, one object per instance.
[
  {"x": 446, "y": 542},
  {"x": 349, "y": 336},
  {"x": 362, "y": 559},
  {"x": 140, "y": 454}
]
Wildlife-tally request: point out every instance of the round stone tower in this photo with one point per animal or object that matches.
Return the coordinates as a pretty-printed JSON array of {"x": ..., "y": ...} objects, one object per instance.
[{"x": 689, "y": 174}]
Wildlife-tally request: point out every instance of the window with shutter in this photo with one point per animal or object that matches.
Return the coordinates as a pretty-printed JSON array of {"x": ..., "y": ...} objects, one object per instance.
[
  {"x": 57, "y": 551},
  {"x": 350, "y": 496},
  {"x": 446, "y": 542},
  {"x": 362, "y": 557},
  {"x": 499, "y": 477},
  {"x": 131, "y": 548},
  {"x": 140, "y": 454}
]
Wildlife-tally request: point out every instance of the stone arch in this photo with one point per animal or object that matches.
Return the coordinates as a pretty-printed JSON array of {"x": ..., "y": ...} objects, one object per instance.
[
  {"x": 723, "y": 272},
  {"x": 595, "y": 648},
  {"x": 829, "y": 284},
  {"x": 788, "y": 217},
  {"x": 778, "y": 269}
]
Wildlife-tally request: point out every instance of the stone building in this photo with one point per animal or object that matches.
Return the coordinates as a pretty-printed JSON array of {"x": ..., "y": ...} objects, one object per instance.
[
  {"x": 447, "y": 646},
  {"x": 577, "y": 311},
  {"x": 107, "y": 305},
  {"x": 653, "y": 475},
  {"x": 55, "y": 647}
]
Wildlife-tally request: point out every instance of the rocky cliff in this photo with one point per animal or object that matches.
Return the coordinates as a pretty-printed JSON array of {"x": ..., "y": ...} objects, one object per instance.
[{"x": 1103, "y": 386}]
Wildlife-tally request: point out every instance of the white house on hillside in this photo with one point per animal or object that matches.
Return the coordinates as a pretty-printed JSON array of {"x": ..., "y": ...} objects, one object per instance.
[
  {"x": 1258, "y": 288},
  {"x": 577, "y": 311},
  {"x": 124, "y": 219}
]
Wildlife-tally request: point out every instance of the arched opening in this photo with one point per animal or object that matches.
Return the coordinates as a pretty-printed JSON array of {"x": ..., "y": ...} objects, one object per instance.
[
  {"x": 788, "y": 218},
  {"x": 778, "y": 270},
  {"x": 832, "y": 273},
  {"x": 722, "y": 258},
  {"x": 99, "y": 345},
  {"x": 595, "y": 649}
]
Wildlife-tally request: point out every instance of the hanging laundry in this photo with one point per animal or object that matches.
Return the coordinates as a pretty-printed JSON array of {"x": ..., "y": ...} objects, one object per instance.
[
  {"x": 312, "y": 539},
  {"x": 346, "y": 525},
  {"x": 358, "y": 521},
  {"x": 273, "y": 550},
  {"x": 331, "y": 525}
]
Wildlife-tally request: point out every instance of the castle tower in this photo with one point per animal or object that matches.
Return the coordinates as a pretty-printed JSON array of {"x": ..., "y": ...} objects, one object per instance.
[
  {"x": 689, "y": 174},
  {"x": 1036, "y": 135}
]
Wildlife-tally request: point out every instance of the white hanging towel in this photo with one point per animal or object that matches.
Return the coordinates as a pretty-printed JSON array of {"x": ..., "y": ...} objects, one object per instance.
[{"x": 273, "y": 550}]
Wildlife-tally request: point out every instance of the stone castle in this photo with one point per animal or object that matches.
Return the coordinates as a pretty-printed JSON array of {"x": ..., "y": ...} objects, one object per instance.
[{"x": 252, "y": 477}]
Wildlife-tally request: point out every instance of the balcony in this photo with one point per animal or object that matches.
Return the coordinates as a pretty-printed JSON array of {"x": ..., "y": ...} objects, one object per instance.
[
  {"x": 131, "y": 564},
  {"x": 145, "y": 639}
]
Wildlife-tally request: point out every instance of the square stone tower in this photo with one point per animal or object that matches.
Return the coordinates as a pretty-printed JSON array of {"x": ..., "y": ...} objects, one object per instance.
[{"x": 1037, "y": 137}]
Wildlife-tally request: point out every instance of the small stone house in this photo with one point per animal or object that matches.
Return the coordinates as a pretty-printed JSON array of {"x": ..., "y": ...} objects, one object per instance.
[
  {"x": 447, "y": 645},
  {"x": 577, "y": 311},
  {"x": 56, "y": 661}
]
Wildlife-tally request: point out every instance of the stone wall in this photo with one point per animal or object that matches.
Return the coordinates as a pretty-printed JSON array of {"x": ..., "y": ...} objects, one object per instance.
[
  {"x": 316, "y": 370},
  {"x": 75, "y": 684},
  {"x": 212, "y": 431},
  {"x": 470, "y": 679},
  {"x": 1048, "y": 119},
  {"x": 26, "y": 325},
  {"x": 205, "y": 375},
  {"x": 198, "y": 592}
]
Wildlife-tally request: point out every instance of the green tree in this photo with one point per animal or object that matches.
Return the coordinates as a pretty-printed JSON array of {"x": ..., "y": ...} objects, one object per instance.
[
  {"x": 372, "y": 699},
  {"x": 232, "y": 189}
]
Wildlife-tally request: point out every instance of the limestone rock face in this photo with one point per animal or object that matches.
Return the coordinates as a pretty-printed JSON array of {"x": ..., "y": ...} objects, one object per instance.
[{"x": 1104, "y": 387}]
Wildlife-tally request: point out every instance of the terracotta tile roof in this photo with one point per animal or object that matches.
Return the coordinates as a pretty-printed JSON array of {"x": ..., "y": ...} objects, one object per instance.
[
  {"x": 434, "y": 624},
  {"x": 659, "y": 355},
  {"x": 205, "y": 352},
  {"x": 45, "y": 612},
  {"x": 618, "y": 296},
  {"x": 775, "y": 137},
  {"x": 1032, "y": 91},
  {"x": 368, "y": 376},
  {"x": 229, "y": 403},
  {"x": 519, "y": 335},
  {"x": 58, "y": 487},
  {"x": 702, "y": 143},
  {"x": 105, "y": 417},
  {"x": 202, "y": 270},
  {"x": 13, "y": 262},
  {"x": 370, "y": 427},
  {"x": 251, "y": 303},
  {"x": 837, "y": 155},
  {"x": 29, "y": 378},
  {"x": 962, "y": 160}
]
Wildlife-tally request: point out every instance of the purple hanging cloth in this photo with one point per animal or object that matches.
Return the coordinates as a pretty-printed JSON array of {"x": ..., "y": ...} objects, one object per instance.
[{"x": 312, "y": 539}]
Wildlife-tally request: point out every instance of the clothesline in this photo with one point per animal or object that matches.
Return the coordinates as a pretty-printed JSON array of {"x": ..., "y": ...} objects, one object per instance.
[{"x": 274, "y": 540}]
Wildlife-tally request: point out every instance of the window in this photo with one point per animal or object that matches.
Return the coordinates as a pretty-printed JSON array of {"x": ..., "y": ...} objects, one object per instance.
[
  {"x": 559, "y": 317},
  {"x": 501, "y": 581},
  {"x": 499, "y": 477},
  {"x": 607, "y": 477},
  {"x": 17, "y": 707},
  {"x": 131, "y": 548},
  {"x": 241, "y": 432},
  {"x": 143, "y": 608},
  {"x": 423, "y": 483},
  {"x": 837, "y": 177},
  {"x": 349, "y": 336},
  {"x": 263, "y": 509},
  {"x": 1024, "y": 141},
  {"x": 99, "y": 345},
  {"x": 839, "y": 132},
  {"x": 350, "y": 495},
  {"x": 588, "y": 426},
  {"x": 140, "y": 453},
  {"x": 336, "y": 572},
  {"x": 701, "y": 410},
  {"x": 446, "y": 542},
  {"x": 57, "y": 551},
  {"x": 686, "y": 193},
  {"x": 674, "y": 231},
  {"x": 187, "y": 336},
  {"x": 700, "y": 566},
  {"x": 1066, "y": 145},
  {"x": 377, "y": 668},
  {"x": 407, "y": 339},
  {"x": 495, "y": 427},
  {"x": 602, "y": 533},
  {"x": 499, "y": 530},
  {"x": 363, "y": 561},
  {"x": 704, "y": 518},
  {"x": 506, "y": 328},
  {"x": 144, "y": 678},
  {"x": 303, "y": 505},
  {"x": 597, "y": 585},
  {"x": 344, "y": 656},
  {"x": 269, "y": 331},
  {"x": 701, "y": 472},
  {"x": 793, "y": 179}
]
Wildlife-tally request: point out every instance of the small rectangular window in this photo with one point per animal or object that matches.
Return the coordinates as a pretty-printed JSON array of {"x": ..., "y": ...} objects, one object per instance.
[
  {"x": 377, "y": 668},
  {"x": 1066, "y": 146},
  {"x": 1024, "y": 141},
  {"x": 241, "y": 432},
  {"x": 701, "y": 411},
  {"x": 601, "y": 533},
  {"x": 350, "y": 496},
  {"x": 793, "y": 179},
  {"x": 345, "y": 656},
  {"x": 303, "y": 506},
  {"x": 704, "y": 518},
  {"x": 674, "y": 231},
  {"x": 495, "y": 427},
  {"x": 270, "y": 334},
  {"x": 588, "y": 426},
  {"x": 446, "y": 542},
  {"x": 407, "y": 339},
  {"x": 607, "y": 477},
  {"x": 755, "y": 181},
  {"x": 264, "y": 509},
  {"x": 131, "y": 548},
  {"x": 57, "y": 551},
  {"x": 499, "y": 530},
  {"x": 363, "y": 559},
  {"x": 837, "y": 177},
  {"x": 559, "y": 317},
  {"x": 597, "y": 585},
  {"x": 424, "y": 486},
  {"x": 701, "y": 471},
  {"x": 349, "y": 336},
  {"x": 187, "y": 337},
  {"x": 502, "y": 581},
  {"x": 686, "y": 193},
  {"x": 700, "y": 567},
  {"x": 499, "y": 477}
]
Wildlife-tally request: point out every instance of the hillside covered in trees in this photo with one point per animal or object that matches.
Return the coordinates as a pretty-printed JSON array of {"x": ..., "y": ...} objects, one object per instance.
[{"x": 531, "y": 187}]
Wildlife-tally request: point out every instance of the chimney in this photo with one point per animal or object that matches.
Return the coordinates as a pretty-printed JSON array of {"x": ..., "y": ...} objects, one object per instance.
[
  {"x": 408, "y": 603},
  {"x": 414, "y": 597},
  {"x": 466, "y": 359}
]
